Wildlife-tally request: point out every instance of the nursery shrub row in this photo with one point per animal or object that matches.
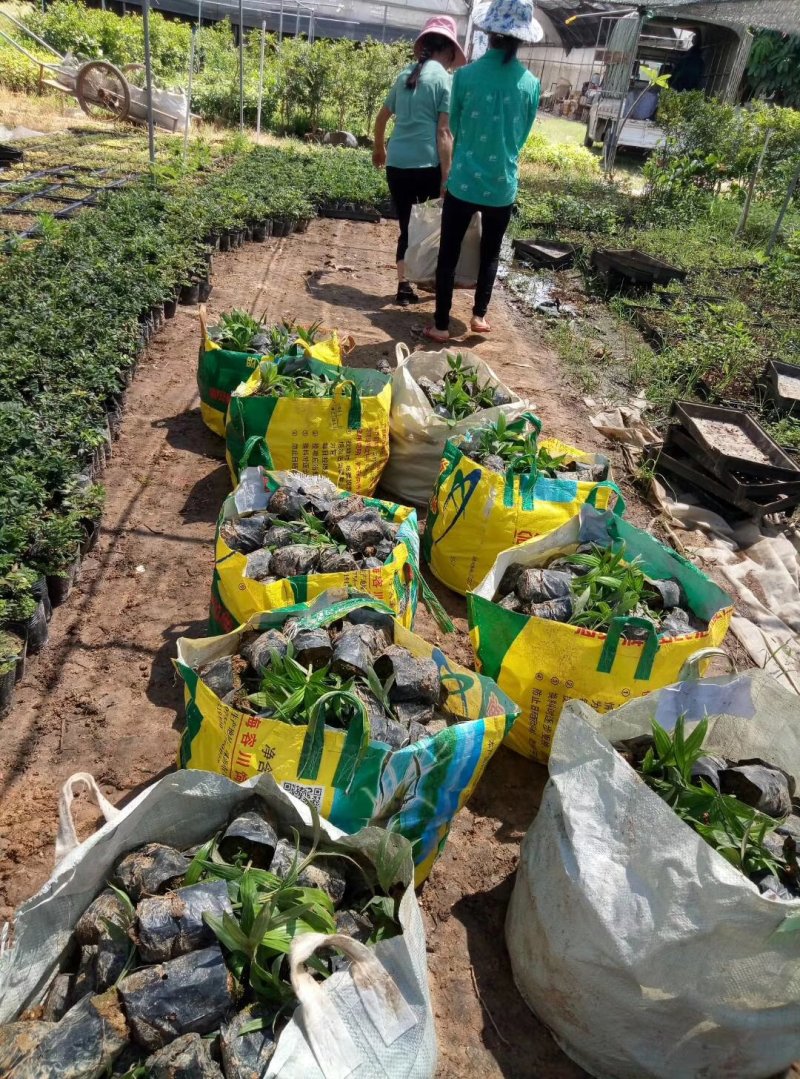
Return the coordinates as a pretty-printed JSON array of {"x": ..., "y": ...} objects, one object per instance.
[{"x": 79, "y": 306}]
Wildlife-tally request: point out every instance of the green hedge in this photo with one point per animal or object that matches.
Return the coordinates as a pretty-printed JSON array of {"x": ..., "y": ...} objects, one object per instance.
[{"x": 71, "y": 328}]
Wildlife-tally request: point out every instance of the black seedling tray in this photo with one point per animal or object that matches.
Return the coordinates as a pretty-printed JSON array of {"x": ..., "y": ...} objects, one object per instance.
[
  {"x": 740, "y": 486},
  {"x": 772, "y": 463},
  {"x": 697, "y": 477},
  {"x": 547, "y": 254},
  {"x": 9, "y": 155},
  {"x": 634, "y": 266},
  {"x": 349, "y": 215},
  {"x": 774, "y": 372}
]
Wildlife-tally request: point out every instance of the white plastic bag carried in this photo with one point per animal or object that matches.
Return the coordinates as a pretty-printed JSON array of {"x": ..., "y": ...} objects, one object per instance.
[
  {"x": 645, "y": 951},
  {"x": 374, "y": 1020},
  {"x": 424, "y": 230},
  {"x": 417, "y": 435}
]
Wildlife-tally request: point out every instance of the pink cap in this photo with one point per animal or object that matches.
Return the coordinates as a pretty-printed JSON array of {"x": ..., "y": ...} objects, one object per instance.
[{"x": 444, "y": 25}]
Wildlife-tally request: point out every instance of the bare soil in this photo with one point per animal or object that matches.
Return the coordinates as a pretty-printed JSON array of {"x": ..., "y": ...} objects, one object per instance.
[{"x": 103, "y": 697}]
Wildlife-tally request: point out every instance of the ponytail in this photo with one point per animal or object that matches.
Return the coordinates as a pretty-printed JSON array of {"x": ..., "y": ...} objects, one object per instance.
[
  {"x": 426, "y": 47},
  {"x": 413, "y": 76},
  {"x": 509, "y": 45}
]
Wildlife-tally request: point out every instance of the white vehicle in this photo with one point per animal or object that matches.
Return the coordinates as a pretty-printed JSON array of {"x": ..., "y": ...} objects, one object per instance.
[{"x": 696, "y": 53}]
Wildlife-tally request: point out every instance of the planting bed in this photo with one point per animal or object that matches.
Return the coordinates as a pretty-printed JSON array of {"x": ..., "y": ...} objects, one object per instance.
[{"x": 103, "y": 695}]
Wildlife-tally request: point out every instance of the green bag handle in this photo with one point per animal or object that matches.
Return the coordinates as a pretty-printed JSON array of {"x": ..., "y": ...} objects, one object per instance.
[
  {"x": 607, "y": 485},
  {"x": 354, "y": 415},
  {"x": 253, "y": 442},
  {"x": 651, "y": 646},
  {"x": 428, "y": 598},
  {"x": 355, "y": 745},
  {"x": 534, "y": 421}
]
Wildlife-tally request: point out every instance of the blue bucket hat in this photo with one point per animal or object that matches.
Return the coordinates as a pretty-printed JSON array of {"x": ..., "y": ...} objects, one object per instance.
[{"x": 513, "y": 18}]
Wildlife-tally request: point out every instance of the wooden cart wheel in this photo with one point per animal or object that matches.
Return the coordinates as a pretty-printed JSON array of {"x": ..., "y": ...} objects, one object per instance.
[{"x": 102, "y": 91}]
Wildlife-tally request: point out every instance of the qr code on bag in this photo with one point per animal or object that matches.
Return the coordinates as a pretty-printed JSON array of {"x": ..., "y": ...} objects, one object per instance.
[{"x": 310, "y": 795}]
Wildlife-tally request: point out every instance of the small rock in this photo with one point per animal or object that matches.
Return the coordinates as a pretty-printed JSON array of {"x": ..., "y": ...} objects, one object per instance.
[
  {"x": 670, "y": 593},
  {"x": 258, "y": 565},
  {"x": 351, "y": 656},
  {"x": 384, "y": 550},
  {"x": 296, "y": 560},
  {"x": 760, "y": 786},
  {"x": 554, "y": 610},
  {"x": 377, "y": 620},
  {"x": 245, "y": 534},
  {"x": 257, "y": 650},
  {"x": 414, "y": 712},
  {"x": 676, "y": 623},
  {"x": 442, "y": 412},
  {"x": 511, "y": 602},
  {"x": 360, "y": 530},
  {"x": 332, "y": 560},
  {"x": 246, "y": 1056},
  {"x": 540, "y": 585},
  {"x": 373, "y": 563},
  {"x": 413, "y": 678},
  {"x": 288, "y": 504},
  {"x": 107, "y": 907},
  {"x": 324, "y": 873},
  {"x": 494, "y": 464},
  {"x": 188, "y": 1057},
  {"x": 708, "y": 768},
  {"x": 218, "y": 676},
  {"x": 508, "y": 581},
  {"x": 278, "y": 536},
  {"x": 149, "y": 870},
  {"x": 344, "y": 507},
  {"x": 501, "y": 397},
  {"x": 770, "y": 885},
  {"x": 312, "y": 648},
  {"x": 255, "y": 833},
  {"x": 57, "y": 1000}
]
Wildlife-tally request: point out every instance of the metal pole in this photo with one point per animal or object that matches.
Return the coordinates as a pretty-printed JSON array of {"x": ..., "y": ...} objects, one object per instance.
[
  {"x": 148, "y": 70},
  {"x": 296, "y": 25},
  {"x": 189, "y": 94},
  {"x": 311, "y": 28},
  {"x": 383, "y": 28},
  {"x": 261, "y": 78},
  {"x": 784, "y": 207},
  {"x": 752, "y": 186},
  {"x": 280, "y": 25},
  {"x": 241, "y": 65}
]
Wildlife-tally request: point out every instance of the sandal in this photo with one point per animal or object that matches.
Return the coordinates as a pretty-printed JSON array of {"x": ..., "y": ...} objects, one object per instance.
[
  {"x": 441, "y": 337},
  {"x": 478, "y": 324},
  {"x": 405, "y": 295}
]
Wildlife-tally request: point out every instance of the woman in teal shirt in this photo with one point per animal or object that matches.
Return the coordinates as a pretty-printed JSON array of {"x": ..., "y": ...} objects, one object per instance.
[
  {"x": 419, "y": 150},
  {"x": 492, "y": 108}
]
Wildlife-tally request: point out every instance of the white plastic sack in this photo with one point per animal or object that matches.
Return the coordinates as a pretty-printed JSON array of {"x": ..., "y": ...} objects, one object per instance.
[
  {"x": 424, "y": 230},
  {"x": 373, "y": 1033},
  {"x": 642, "y": 948},
  {"x": 417, "y": 435}
]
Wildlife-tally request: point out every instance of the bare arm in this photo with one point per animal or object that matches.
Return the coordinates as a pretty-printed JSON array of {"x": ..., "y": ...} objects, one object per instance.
[
  {"x": 379, "y": 149},
  {"x": 444, "y": 142}
]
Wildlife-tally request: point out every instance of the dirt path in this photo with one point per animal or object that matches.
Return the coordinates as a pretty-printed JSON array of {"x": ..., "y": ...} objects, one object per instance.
[{"x": 103, "y": 698}]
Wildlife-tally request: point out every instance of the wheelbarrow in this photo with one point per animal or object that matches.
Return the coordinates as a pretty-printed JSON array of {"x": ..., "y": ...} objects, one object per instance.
[{"x": 102, "y": 89}]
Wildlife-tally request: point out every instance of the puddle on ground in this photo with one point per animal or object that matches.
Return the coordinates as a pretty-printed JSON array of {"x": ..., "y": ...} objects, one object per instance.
[{"x": 536, "y": 289}]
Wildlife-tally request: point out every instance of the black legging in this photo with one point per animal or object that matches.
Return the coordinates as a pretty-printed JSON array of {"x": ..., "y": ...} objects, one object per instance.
[
  {"x": 456, "y": 216},
  {"x": 408, "y": 187}
]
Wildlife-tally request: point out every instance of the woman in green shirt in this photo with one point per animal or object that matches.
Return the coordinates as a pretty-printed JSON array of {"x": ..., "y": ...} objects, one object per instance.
[
  {"x": 419, "y": 150},
  {"x": 493, "y": 105}
]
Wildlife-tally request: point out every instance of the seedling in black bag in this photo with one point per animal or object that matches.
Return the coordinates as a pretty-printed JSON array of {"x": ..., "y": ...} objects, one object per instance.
[{"x": 698, "y": 787}]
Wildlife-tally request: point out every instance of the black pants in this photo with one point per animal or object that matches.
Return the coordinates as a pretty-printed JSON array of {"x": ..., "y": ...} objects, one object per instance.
[
  {"x": 408, "y": 187},
  {"x": 456, "y": 217}
]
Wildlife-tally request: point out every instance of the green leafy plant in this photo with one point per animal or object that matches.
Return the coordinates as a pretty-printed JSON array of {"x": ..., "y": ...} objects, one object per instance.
[
  {"x": 463, "y": 393},
  {"x": 734, "y": 829},
  {"x": 609, "y": 587}
]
